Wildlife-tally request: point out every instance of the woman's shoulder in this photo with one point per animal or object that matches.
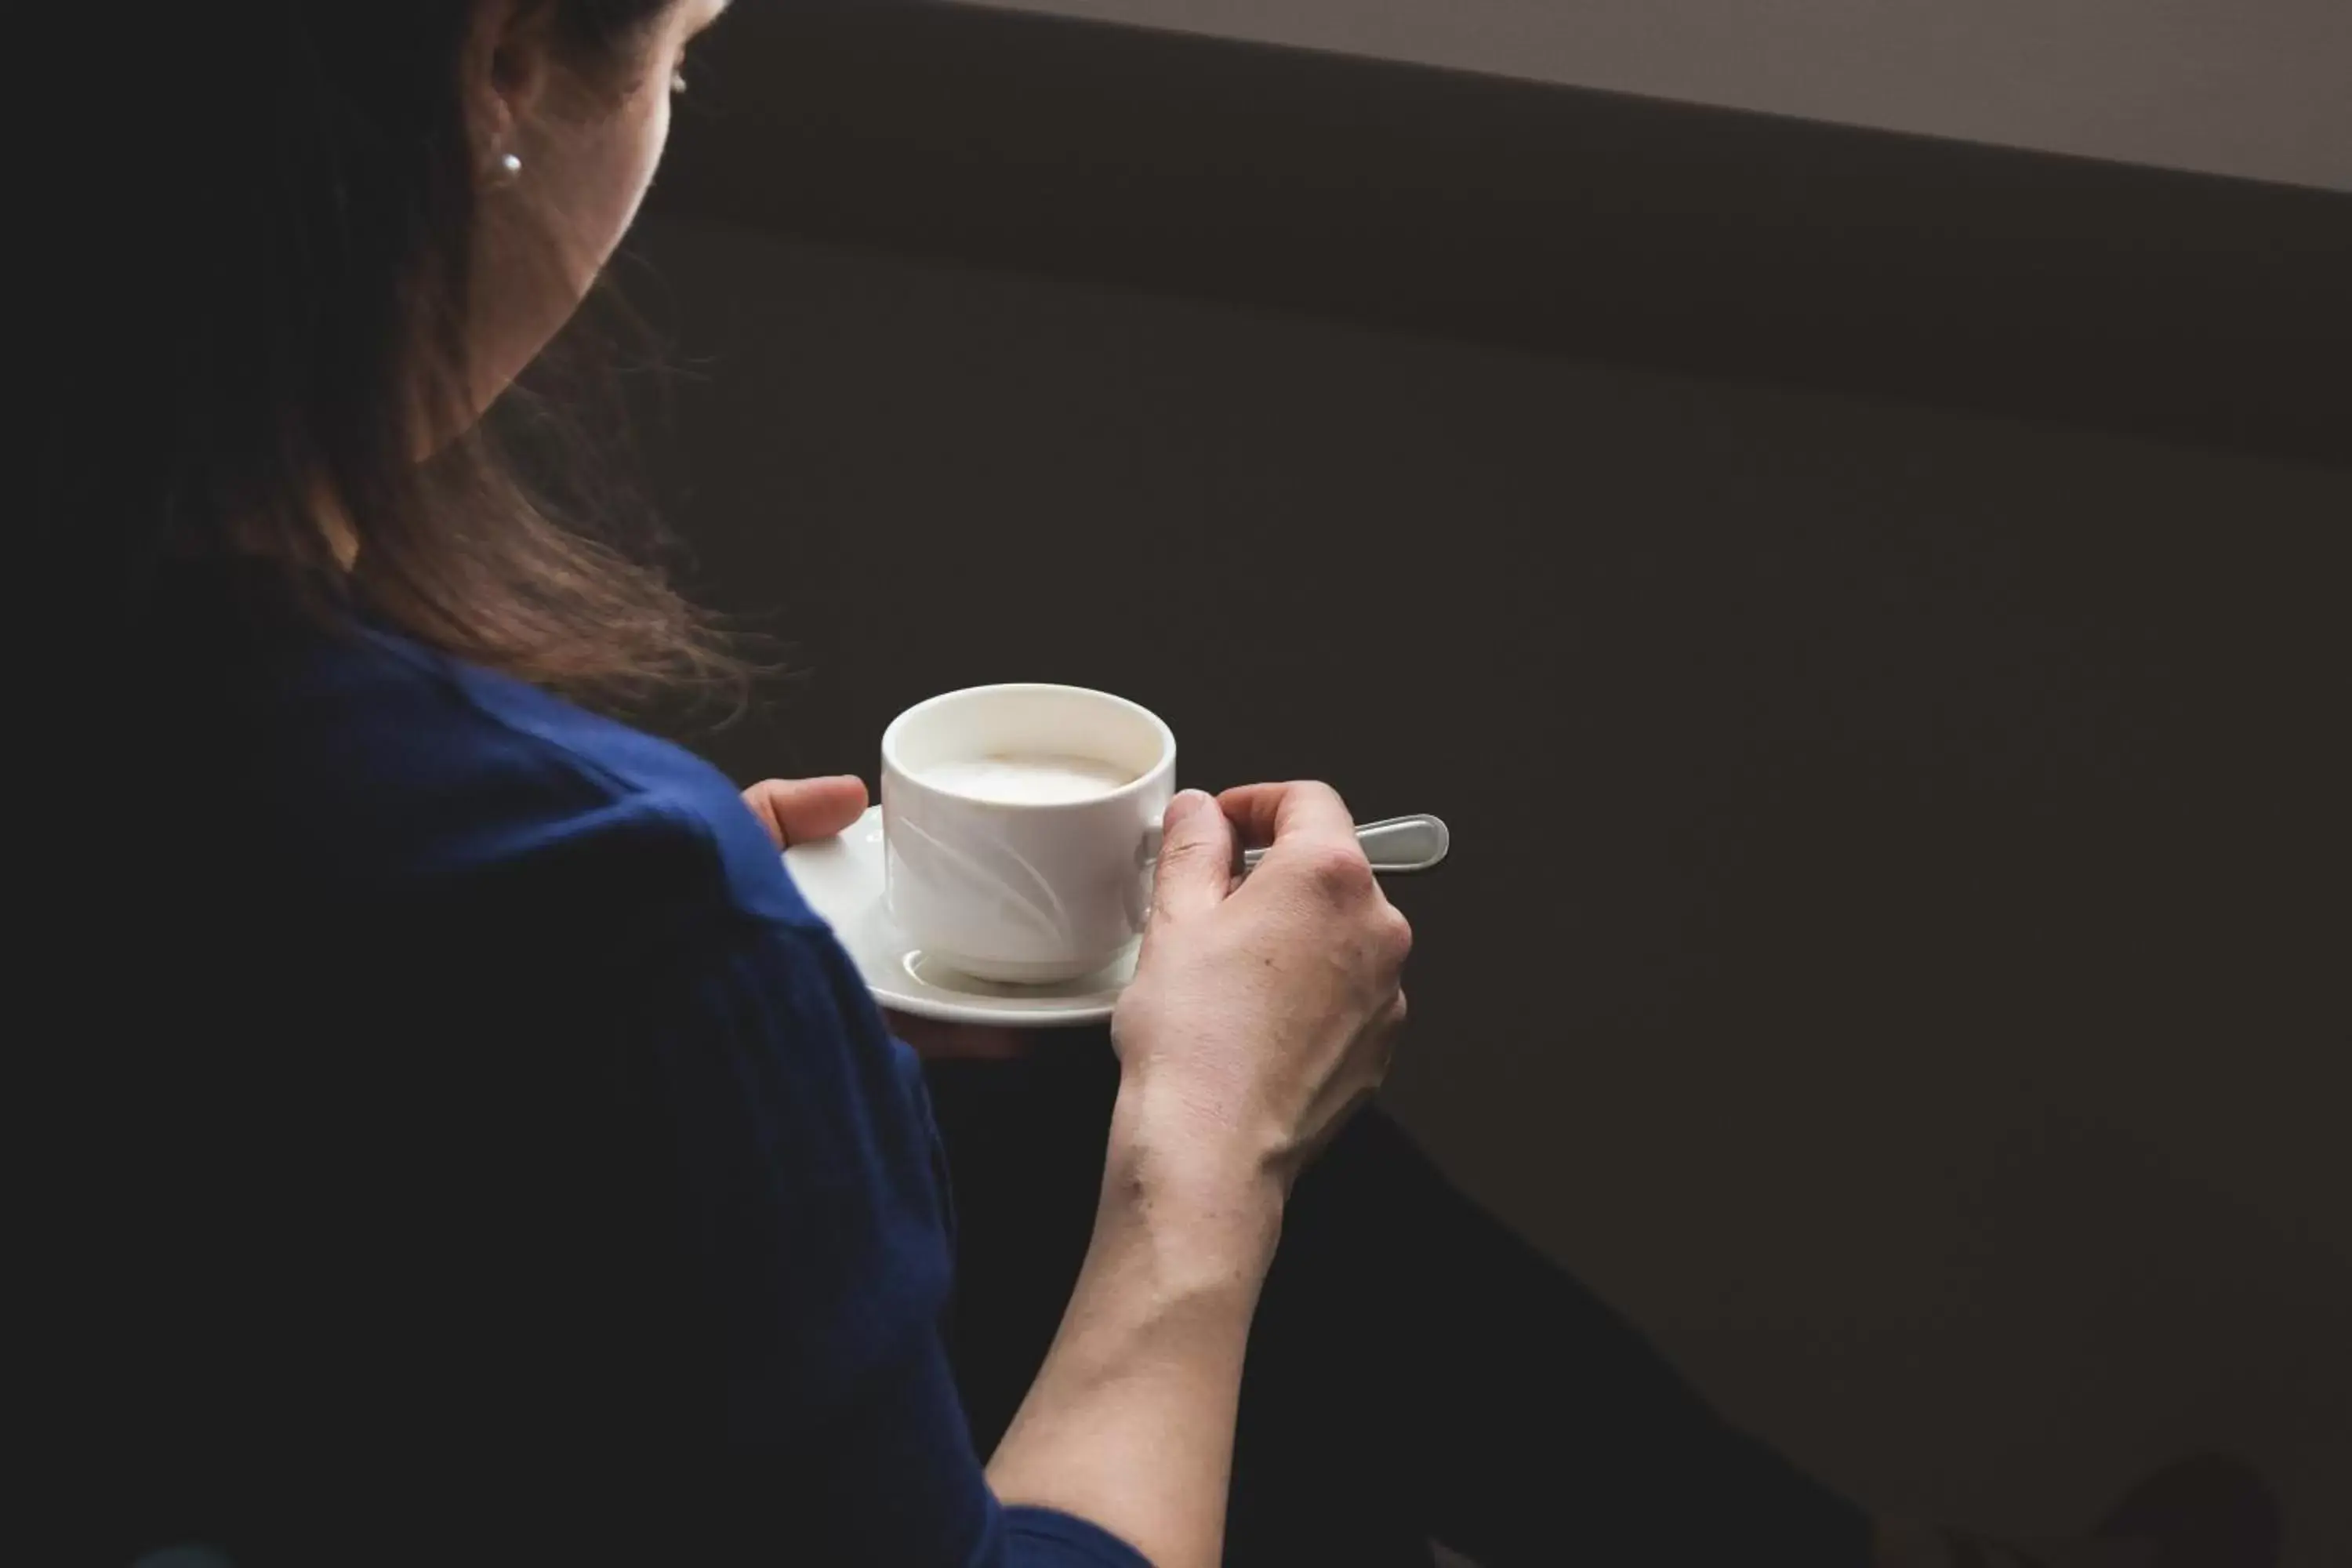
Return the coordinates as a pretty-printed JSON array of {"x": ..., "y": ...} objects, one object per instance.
[
  {"x": 368, "y": 767},
  {"x": 642, "y": 817},
  {"x": 608, "y": 781}
]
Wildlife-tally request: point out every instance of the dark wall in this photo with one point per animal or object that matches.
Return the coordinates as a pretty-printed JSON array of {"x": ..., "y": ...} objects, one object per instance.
[
  {"x": 1586, "y": 225},
  {"x": 1895, "y": 944}
]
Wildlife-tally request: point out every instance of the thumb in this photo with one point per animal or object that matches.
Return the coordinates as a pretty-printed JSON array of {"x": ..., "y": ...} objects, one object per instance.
[{"x": 1196, "y": 857}]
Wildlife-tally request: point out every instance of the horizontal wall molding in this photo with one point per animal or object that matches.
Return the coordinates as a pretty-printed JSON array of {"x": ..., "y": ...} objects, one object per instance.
[{"x": 1553, "y": 219}]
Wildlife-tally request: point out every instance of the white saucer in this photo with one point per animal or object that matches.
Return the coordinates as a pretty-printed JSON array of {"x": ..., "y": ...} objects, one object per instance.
[{"x": 842, "y": 880}]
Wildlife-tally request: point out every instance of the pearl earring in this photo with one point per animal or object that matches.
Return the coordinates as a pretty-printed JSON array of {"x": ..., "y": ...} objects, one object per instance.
[{"x": 510, "y": 168}]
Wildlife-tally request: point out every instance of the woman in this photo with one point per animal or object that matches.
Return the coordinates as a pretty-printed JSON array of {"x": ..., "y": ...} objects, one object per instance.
[
  {"x": 476, "y": 1149},
  {"x": 516, "y": 1169}
]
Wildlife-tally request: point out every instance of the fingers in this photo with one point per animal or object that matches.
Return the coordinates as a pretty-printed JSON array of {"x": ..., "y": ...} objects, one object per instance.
[
  {"x": 795, "y": 811},
  {"x": 1267, "y": 815},
  {"x": 1196, "y": 859}
]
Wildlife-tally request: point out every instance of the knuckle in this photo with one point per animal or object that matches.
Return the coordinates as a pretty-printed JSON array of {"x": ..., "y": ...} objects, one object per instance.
[
  {"x": 1184, "y": 866},
  {"x": 1395, "y": 935},
  {"x": 1185, "y": 852},
  {"x": 1321, "y": 790},
  {"x": 1339, "y": 872}
]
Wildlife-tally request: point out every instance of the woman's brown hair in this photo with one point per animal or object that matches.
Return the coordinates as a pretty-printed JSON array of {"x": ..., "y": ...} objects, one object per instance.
[{"x": 238, "y": 311}]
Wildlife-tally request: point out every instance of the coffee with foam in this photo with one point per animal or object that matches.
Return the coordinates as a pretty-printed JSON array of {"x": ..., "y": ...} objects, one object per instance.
[{"x": 1027, "y": 778}]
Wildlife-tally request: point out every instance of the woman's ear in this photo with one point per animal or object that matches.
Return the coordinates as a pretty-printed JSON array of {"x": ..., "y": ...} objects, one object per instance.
[{"x": 509, "y": 62}]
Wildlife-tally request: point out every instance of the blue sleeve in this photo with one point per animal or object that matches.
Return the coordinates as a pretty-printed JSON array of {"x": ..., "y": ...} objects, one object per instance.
[{"x": 817, "y": 1264}]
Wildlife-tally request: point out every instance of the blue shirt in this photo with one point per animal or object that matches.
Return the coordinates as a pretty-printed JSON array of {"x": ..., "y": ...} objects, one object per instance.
[{"x": 488, "y": 1153}]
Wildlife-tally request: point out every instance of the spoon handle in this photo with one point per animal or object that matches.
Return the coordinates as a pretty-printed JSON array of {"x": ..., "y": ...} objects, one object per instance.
[{"x": 1395, "y": 848}]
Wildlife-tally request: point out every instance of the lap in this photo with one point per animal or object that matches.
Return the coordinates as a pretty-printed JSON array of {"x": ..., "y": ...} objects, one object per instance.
[{"x": 1416, "y": 1369}]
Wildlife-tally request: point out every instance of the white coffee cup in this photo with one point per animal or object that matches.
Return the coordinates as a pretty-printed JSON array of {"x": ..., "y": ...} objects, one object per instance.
[{"x": 1019, "y": 825}]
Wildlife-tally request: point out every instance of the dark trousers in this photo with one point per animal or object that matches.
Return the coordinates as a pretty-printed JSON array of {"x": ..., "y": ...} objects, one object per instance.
[{"x": 1416, "y": 1370}]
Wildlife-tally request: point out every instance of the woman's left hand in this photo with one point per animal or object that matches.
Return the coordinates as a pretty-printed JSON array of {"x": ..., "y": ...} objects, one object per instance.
[{"x": 795, "y": 811}]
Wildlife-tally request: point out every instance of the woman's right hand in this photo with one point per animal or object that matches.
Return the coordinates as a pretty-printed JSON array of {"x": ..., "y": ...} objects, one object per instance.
[{"x": 1263, "y": 1010}]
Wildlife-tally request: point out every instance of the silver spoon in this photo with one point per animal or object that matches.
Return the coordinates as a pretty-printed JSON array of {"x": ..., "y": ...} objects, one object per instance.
[{"x": 1395, "y": 848}]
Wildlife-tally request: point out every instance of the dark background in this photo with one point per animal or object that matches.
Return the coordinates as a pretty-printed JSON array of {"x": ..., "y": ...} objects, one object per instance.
[{"x": 1895, "y": 945}]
